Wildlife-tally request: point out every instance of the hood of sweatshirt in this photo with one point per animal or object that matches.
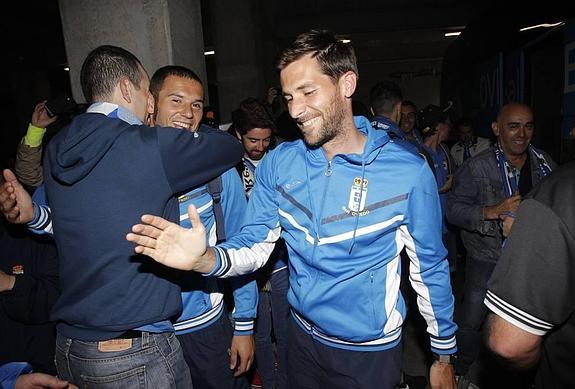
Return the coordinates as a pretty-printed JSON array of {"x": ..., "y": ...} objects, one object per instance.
[{"x": 77, "y": 149}]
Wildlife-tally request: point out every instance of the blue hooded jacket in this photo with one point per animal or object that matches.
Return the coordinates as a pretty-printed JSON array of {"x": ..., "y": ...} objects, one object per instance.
[{"x": 345, "y": 222}]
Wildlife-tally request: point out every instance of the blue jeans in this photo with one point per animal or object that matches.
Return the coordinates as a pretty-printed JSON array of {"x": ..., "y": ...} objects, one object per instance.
[
  {"x": 473, "y": 313},
  {"x": 273, "y": 312},
  {"x": 152, "y": 361}
]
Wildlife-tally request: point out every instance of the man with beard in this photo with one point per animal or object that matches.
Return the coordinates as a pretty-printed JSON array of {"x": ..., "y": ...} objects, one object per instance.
[
  {"x": 346, "y": 200},
  {"x": 486, "y": 189}
]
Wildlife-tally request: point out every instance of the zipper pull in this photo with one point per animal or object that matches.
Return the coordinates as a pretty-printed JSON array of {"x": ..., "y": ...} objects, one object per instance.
[{"x": 329, "y": 169}]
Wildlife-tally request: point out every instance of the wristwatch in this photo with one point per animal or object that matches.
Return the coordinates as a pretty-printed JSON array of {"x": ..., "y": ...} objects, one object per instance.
[{"x": 445, "y": 358}]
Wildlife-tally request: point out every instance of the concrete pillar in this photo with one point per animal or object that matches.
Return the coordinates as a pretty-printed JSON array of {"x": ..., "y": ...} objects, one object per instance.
[
  {"x": 158, "y": 32},
  {"x": 238, "y": 44}
]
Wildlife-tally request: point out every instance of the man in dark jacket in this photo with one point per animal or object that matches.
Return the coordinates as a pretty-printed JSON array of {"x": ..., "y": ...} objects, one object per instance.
[
  {"x": 100, "y": 174},
  {"x": 487, "y": 188}
]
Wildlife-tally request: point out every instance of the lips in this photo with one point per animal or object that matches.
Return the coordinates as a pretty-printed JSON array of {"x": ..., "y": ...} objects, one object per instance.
[
  {"x": 308, "y": 122},
  {"x": 182, "y": 125}
]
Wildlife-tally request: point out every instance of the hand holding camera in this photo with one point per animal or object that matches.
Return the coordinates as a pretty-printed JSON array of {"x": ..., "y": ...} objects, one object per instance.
[{"x": 41, "y": 117}]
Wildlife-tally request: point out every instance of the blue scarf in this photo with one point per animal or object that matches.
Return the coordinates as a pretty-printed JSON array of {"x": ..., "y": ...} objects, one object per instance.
[{"x": 510, "y": 175}]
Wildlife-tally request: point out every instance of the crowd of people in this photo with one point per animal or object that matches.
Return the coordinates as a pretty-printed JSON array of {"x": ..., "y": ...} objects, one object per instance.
[{"x": 141, "y": 246}]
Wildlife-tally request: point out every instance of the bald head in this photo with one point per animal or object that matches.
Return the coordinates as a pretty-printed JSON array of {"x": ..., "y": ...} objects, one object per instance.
[
  {"x": 514, "y": 128},
  {"x": 512, "y": 108}
]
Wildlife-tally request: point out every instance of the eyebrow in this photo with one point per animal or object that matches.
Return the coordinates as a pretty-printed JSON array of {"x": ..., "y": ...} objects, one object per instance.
[
  {"x": 181, "y": 97},
  {"x": 516, "y": 122},
  {"x": 302, "y": 87}
]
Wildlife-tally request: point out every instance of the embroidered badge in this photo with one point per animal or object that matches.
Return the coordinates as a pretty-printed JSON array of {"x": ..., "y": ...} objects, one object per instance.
[
  {"x": 18, "y": 269},
  {"x": 357, "y": 195}
]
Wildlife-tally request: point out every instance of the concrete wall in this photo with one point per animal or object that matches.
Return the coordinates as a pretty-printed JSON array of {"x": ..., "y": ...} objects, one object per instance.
[{"x": 158, "y": 32}]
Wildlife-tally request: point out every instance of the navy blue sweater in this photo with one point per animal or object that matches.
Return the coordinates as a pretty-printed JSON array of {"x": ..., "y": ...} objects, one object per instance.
[{"x": 101, "y": 174}]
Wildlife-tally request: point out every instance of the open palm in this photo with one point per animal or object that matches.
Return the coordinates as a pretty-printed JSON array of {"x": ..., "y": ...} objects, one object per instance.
[{"x": 168, "y": 243}]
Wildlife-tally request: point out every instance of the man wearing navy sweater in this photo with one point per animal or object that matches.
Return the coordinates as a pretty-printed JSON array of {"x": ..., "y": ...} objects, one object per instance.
[{"x": 101, "y": 173}]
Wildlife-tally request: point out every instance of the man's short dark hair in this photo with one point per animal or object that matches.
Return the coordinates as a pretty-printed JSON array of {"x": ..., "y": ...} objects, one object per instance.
[
  {"x": 252, "y": 113},
  {"x": 160, "y": 75},
  {"x": 383, "y": 96},
  {"x": 104, "y": 67},
  {"x": 335, "y": 57},
  {"x": 409, "y": 103}
]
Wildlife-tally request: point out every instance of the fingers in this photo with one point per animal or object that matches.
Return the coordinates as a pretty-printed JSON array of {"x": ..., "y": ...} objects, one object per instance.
[
  {"x": 233, "y": 359},
  {"x": 156, "y": 221},
  {"x": 244, "y": 366},
  {"x": 141, "y": 240},
  {"x": 146, "y": 230},
  {"x": 7, "y": 201},
  {"x": 13, "y": 214}
]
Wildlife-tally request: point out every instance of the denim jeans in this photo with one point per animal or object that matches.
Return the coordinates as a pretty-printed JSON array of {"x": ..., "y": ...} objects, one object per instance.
[
  {"x": 153, "y": 361},
  {"x": 473, "y": 313},
  {"x": 273, "y": 312}
]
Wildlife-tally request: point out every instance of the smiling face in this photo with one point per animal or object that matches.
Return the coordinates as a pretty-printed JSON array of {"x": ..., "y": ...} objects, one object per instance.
[
  {"x": 407, "y": 118},
  {"x": 514, "y": 129},
  {"x": 314, "y": 100},
  {"x": 256, "y": 142},
  {"x": 180, "y": 103}
]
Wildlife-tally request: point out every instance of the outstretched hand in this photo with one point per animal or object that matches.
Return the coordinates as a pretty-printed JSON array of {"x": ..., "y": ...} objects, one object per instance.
[
  {"x": 15, "y": 202},
  {"x": 170, "y": 244}
]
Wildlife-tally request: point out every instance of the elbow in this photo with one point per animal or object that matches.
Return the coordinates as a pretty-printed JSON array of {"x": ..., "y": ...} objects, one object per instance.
[
  {"x": 502, "y": 348},
  {"x": 519, "y": 356}
]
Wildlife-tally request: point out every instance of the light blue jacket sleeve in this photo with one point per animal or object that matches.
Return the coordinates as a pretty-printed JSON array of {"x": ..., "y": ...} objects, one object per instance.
[
  {"x": 429, "y": 268},
  {"x": 9, "y": 373},
  {"x": 42, "y": 221},
  {"x": 245, "y": 289},
  {"x": 249, "y": 250}
]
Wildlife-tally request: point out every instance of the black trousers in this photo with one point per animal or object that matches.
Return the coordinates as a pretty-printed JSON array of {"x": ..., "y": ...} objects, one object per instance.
[{"x": 313, "y": 365}]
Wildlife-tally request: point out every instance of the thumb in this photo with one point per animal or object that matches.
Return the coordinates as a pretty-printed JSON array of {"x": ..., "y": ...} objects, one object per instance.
[
  {"x": 194, "y": 216},
  {"x": 9, "y": 176}
]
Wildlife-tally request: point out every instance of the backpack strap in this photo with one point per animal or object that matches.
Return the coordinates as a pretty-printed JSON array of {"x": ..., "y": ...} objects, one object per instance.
[{"x": 215, "y": 190}]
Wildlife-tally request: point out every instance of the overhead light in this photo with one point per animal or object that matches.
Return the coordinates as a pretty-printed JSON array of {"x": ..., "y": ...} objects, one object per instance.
[
  {"x": 542, "y": 25},
  {"x": 67, "y": 69},
  {"x": 345, "y": 40},
  {"x": 211, "y": 52},
  {"x": 454, "y": 33}
]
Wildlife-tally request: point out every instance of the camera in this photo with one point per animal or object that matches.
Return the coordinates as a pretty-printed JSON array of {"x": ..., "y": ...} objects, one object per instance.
[{"x": 61, "y": 105}]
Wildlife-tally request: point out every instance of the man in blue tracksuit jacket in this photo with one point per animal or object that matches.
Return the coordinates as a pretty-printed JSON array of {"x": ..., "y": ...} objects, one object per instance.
[{"x": 346, "y": 201}]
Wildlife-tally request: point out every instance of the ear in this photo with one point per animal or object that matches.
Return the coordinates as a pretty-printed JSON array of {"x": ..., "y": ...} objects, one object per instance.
[
  {"x": 348, "y": 83},
  {"x": 495, "y": 128},
  {"x": 126, "y": 90},
  {"x": 397, "y": 112},
  {"x": 151, "y": 105}
]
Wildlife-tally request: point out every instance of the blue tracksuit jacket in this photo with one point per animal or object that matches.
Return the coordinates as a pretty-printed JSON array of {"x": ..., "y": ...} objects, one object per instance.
[
  {"x": 345, "y": 222},
  {"x": 202, "y": 297}
]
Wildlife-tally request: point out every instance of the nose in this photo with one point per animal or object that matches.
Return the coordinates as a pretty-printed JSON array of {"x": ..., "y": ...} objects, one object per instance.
[
  {"x": 296, "y": 107},
  {"x": 188, "y": 111}
]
